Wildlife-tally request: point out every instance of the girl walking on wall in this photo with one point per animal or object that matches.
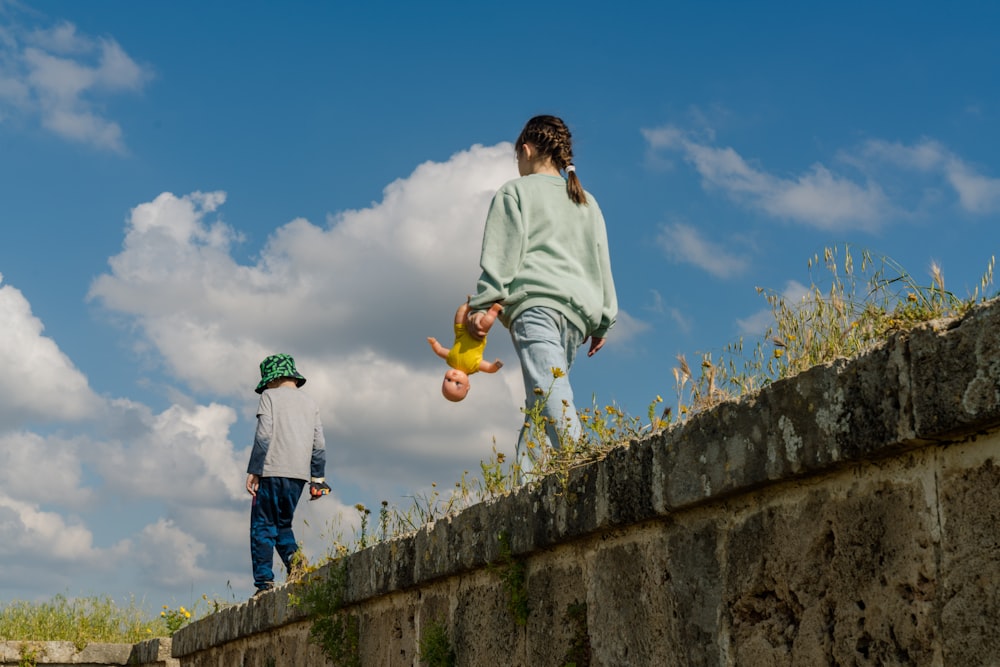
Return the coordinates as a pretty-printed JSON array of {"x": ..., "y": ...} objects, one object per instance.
[{"x": 545, "y": 259}]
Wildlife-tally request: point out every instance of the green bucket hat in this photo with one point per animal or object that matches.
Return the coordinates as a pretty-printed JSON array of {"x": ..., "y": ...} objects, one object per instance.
[{"x": 278, "y": 366}]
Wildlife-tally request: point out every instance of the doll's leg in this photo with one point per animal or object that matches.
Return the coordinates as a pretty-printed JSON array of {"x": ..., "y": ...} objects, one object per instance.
[{"x": 461, "y": 313}]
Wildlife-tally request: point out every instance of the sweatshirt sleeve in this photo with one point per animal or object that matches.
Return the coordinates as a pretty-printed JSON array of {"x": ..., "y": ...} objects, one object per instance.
[
  {"x": 502, "y": 252},
  {"x": 262, "y": 437},
  {"x": 609, "y": 310}
]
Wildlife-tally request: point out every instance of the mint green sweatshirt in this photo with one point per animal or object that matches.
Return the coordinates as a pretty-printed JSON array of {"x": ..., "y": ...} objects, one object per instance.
[{"x": 542, "y": 249}]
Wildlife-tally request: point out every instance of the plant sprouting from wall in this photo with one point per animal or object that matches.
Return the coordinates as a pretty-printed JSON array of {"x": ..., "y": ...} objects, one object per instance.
[
  {"x": 334, "y": 630},
  {"x": 851, "y": 310},
  {"x": 435, "y": 647},
  {"x": 513, "y": 575},
  {"x": 579, "y": 650}
]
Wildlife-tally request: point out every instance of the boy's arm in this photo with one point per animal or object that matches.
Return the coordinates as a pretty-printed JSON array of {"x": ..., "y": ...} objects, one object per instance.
[
  {"x": 261, "y": 438},
  {"x": 317, "y": 466},
  {"x": 490, "y": 367},
  {"x": 439, "y": 349}
]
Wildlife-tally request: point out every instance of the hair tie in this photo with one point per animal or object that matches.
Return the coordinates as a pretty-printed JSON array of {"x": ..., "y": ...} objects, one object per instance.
[{"x": 570, "y": 168}]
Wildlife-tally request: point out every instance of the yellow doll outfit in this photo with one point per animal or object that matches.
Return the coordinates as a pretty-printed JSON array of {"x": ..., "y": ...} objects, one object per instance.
[{"x": 467, "y": 352}]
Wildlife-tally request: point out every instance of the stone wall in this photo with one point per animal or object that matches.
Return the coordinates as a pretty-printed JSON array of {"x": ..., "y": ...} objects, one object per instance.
[
  {"x": 848, "y": 516},
  {"x": 150, "y": 653}
]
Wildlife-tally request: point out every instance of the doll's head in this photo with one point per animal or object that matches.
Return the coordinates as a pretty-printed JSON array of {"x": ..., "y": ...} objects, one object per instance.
[{"x": 455, "y": 385}]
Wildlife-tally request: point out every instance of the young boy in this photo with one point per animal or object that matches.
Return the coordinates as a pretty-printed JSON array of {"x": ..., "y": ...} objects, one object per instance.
[{"x": 288, "y": 450}]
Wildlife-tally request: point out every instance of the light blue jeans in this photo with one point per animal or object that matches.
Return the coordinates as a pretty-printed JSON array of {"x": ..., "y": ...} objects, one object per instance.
[{"x": 544, "y": 339}]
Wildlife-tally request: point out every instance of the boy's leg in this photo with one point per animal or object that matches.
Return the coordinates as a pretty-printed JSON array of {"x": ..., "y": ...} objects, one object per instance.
[
  {"x": 288, "y": 493},
  {"x": 543, "y": 340},
  {"x": 263, "y": 532}
]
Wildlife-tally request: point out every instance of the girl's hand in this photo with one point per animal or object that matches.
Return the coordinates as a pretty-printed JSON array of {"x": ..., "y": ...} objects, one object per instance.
[
  {"x": 595, "y": 345},
  {"x": 474, "y": 326}
]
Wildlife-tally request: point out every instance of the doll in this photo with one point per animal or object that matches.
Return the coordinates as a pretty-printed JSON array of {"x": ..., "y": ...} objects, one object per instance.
[{"x": 466, "y": 356}]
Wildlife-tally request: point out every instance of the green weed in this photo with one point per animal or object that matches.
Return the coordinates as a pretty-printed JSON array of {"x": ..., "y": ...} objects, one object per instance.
[
  {"x": 81, "y": 621},
  {"x": 335, "y": 631},
  {"x": 513, "y": 574},
  {"x": 850, "y": 310},
  {"x": 435, "y": 647}
]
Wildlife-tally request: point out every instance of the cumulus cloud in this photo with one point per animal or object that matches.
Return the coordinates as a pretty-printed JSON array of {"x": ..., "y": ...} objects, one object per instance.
[
  {"x": 684, "y": 243},
  {"x": 170, "y": 556},
  {"x": 39, "y": 469},
  {"x": 179, "y": 444},
  {"x": 63, "y": 78},
  {"x": 39, "y": 382},
  {"x": 353, "y": 300},
  {"x": 48, "y": 536},
  {"x": 818, "y": 197}
]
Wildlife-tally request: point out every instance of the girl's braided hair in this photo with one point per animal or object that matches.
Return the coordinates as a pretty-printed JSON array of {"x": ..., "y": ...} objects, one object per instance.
[{"x": 550, "y": 137}]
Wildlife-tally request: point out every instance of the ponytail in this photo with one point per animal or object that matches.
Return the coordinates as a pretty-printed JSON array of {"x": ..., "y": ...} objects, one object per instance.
[{"x": 573, "y": 187}]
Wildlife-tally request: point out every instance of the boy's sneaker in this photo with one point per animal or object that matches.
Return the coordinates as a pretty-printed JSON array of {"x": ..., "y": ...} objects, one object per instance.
[{"x": 269, "y": 586}]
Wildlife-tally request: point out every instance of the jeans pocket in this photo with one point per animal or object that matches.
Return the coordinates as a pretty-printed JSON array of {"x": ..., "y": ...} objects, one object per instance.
[{"x": 535, "y": 325}]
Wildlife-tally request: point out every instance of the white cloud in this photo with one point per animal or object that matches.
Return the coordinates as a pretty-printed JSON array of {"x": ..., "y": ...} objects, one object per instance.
[
  {"x": 408, "y": 259},
  {"x": 48, "y": 536},
  {"x": 818, "y": 197},
  {"x": 43, "y": 470},
  {"x": 169, "y": 556},
  {"x": 976, "y": 193},
  {"x": 182, "y": 456},
  {"x": 39, "y": 382},
  {"x": 681, "y": 321},
  {"x": 62, "y": 77},
  {"x": 61, "y": 38},
  {"x": 627, "y": 327},
  {"x": 684, "y": 243},
  {"x": 353, "y": 301}
]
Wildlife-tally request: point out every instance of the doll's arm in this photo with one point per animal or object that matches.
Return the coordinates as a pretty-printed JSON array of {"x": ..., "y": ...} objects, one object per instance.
[
  {"x": 490, "y": 367},
  {"x": 439, "y": 349}
]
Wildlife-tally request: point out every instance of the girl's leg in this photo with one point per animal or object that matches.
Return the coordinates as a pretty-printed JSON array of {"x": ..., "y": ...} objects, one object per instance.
[{"x": 544, "y": 340}]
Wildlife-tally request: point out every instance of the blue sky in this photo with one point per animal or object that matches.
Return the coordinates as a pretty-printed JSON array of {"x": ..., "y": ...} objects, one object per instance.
[{"x": 186, "y": 188}]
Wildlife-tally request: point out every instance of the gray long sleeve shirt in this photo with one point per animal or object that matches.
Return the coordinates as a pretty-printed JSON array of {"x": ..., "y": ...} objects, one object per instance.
[{"x": 289, "y": 439}]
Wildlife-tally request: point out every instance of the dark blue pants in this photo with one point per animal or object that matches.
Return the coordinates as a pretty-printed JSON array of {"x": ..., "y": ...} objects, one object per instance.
[{"x": 271, "y": 526}]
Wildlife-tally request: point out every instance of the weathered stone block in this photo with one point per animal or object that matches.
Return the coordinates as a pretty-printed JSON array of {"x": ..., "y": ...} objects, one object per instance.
[
  {"x": 840, "y": 575},
  {"x": 970, "y": 554}
]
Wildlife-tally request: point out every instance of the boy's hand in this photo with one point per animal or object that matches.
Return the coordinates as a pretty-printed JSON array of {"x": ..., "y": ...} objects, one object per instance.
[
  {"x": 318, "y": 489},
  {"x": 253, "y": 483}
]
